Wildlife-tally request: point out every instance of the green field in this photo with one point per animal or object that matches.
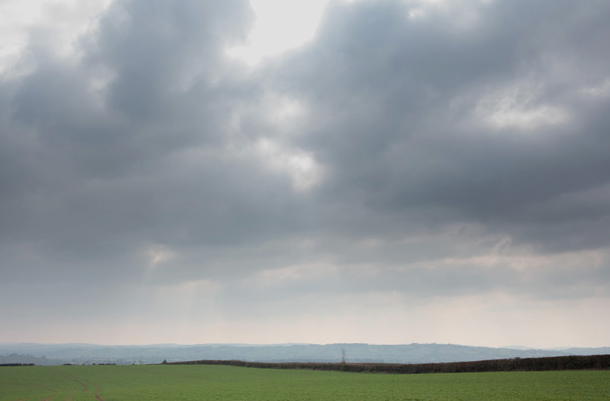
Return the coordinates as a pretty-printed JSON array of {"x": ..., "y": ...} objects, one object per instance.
[{"x": 201, "y": 382}]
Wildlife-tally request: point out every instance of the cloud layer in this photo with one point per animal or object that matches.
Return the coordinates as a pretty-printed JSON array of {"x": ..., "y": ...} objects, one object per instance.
[{"x": 418, "y": 171}]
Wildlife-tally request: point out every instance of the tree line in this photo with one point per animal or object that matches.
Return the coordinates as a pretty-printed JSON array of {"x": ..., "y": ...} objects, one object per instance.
[{"x": 575, "y": 362}]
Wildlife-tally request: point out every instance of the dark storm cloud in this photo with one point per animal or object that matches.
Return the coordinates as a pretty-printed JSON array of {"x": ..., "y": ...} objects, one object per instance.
[
  {"x": 451, "y": 149},
  {"x": 141, "y": 157},
  {"x": 401, "y": 104},
  {"x": 156, "y": 50}
]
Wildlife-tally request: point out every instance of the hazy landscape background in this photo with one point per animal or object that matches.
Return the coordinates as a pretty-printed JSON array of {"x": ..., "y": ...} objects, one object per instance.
[{"x": 56, "y": 354}]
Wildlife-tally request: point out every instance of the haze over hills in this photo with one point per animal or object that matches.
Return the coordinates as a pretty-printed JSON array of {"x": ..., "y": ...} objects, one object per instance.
[{"x": 53, "y": 354}]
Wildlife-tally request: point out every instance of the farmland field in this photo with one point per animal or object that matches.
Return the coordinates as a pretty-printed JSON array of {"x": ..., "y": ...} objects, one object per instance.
[{"x": 202, "y": 382}]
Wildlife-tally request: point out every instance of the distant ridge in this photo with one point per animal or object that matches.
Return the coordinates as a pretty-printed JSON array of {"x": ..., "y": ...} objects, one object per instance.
[{"x": 325, "y": 353}]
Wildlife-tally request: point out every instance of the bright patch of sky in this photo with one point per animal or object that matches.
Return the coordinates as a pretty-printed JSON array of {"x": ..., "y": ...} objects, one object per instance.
[
  {"x": 280, "y": 25},
  {"x": 60, "y": 22}
]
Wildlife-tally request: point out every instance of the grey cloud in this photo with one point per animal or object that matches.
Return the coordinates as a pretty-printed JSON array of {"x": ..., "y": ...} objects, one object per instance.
[
  {"x": 452, "y": 145},
  {"x": 107, "y": 160},
  {"x": 154, "y": 50},
  {"x": 397, "y": 121}
]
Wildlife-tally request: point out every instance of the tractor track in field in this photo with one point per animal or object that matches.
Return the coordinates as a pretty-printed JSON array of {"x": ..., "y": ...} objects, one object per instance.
[{"x": 79, "y": 381}]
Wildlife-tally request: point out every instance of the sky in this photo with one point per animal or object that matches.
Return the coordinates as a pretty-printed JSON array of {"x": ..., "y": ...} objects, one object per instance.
[{"x": 327, "y": 171}]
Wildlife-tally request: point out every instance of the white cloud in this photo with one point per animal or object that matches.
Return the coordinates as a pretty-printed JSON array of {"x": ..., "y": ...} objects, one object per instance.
[
  {"x": 158, "y": 254},
  {"x": 301, "y": 167},
  {"x": 293, "y": 274},
  {"x": 518, "y": 106}
]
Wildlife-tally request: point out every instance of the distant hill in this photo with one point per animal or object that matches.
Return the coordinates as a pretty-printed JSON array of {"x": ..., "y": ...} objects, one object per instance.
[{"x": 407, "y": 353}]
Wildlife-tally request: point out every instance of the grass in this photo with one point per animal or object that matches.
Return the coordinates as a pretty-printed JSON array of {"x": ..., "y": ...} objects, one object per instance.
[{"x": 201, "y": 382}]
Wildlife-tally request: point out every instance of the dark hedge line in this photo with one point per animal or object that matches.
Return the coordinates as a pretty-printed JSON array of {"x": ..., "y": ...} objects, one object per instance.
[
  {"x": 590, "y": 362},
  {"x": 16, "y": 364}
]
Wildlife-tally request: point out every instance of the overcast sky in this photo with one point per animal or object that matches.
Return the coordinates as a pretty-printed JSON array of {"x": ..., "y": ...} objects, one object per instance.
[{"x": 329, "y": 171}]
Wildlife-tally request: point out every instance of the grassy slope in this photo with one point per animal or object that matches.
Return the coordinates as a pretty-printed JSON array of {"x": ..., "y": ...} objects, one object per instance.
[{"x": 199, "y": 382}]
